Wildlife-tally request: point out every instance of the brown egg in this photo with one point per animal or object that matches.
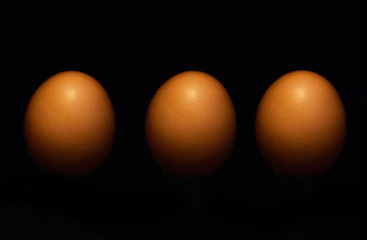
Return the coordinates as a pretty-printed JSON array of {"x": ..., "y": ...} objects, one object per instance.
[
  {"x": 190, "y": 125},
  {"x": 69, "y": 124},
  {"x": 300, "y": 124}
]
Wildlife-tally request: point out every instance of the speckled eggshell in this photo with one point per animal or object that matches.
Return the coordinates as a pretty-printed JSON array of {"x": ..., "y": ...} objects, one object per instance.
[
  {"x": 191, "y": 125},
  {"x": 300, "y": 124},
  {"x": 69, "y": 124}
]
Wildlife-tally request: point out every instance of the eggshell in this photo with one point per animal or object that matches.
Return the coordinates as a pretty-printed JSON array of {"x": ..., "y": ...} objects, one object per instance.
[
  {"x": 69, "y": 124},
  {"x": 191, "y": 125},
  {"x": 300, "y": 124}
]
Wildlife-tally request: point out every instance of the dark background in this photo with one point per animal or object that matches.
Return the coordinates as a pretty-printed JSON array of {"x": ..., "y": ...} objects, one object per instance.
[{"x": 131, "y": 52}]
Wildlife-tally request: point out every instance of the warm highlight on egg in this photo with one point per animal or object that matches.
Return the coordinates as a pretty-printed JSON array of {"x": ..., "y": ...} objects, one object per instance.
[
  {"x": 190, "y": 125},
  {"x": 69, "y": 124},
  {"x": 300, "y": 124}
]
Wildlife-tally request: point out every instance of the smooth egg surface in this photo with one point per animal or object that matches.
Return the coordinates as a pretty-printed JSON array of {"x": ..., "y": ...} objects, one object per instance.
[
  {"x": 300, "y": 124},
  {"x": 190, "y": 125},
  {"x": 69, "y": 124}
]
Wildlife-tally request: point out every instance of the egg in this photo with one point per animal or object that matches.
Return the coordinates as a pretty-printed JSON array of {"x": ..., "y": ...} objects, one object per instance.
[
  {"x": 69, "y": 124},
  {"x": 300, "y": 124},
  {"x": 190, "y": 125}
]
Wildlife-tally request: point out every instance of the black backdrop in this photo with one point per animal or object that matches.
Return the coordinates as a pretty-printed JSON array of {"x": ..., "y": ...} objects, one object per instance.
[{"x": 131, "y": 52}]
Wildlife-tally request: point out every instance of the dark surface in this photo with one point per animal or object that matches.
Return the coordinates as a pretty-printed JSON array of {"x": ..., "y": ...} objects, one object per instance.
[{"x": 132, "y": 51}]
